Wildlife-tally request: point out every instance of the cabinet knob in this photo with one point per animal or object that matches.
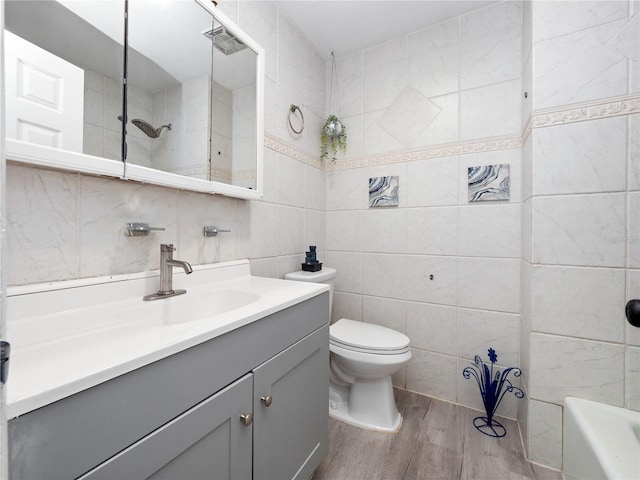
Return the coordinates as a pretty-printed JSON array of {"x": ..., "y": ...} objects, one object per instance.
[
  {"x": 246, "y": 419},
  {"x": 266, "y": 400}
]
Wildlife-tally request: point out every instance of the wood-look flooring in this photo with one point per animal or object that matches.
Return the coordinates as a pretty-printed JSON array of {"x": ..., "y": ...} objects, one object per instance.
[{"x": 437, "y": 441}]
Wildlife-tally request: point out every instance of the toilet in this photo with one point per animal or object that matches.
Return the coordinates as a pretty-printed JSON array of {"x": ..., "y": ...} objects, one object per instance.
[{"x": 363, "y": 358}]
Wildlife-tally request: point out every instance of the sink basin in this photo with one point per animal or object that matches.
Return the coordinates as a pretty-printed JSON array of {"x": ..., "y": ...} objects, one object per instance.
[{"x": 190, "y": 307}]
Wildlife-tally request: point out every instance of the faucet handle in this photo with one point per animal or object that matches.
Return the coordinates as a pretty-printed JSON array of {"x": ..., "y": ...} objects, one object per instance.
[
  {"x": 136, "y": 229},
  {"x": 167, "y": 247},
  {"x": 213, "y": 231}
]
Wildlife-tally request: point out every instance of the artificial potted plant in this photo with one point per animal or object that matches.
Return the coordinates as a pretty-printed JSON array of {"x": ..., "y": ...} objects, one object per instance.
[{"x": 334, "y": 136}]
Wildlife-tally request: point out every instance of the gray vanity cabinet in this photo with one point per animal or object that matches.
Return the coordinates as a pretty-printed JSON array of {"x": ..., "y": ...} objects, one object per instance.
[
  {"x": 290, "y": 411},
  {"x": 207, "y": 441}
]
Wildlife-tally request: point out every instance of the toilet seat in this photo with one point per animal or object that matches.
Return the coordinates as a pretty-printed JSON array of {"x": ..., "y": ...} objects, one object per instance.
[{"x": 367, "y": 338}]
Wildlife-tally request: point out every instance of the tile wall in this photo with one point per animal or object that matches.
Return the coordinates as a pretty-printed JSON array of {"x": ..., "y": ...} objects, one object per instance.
[
  {"x": 442, "y": 94},
  {"x": 580, "y": 213}
]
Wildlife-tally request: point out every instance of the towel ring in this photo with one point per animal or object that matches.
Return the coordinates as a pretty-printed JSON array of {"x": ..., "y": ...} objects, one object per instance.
[{"x": 293, "y": 109}]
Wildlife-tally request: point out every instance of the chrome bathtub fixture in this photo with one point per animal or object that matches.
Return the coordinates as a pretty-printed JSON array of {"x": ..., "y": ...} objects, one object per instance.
[
  {"x": 213, "y": 231},
  {"x": 137, "y": 229},
  {"x": 167, "y": 263}
]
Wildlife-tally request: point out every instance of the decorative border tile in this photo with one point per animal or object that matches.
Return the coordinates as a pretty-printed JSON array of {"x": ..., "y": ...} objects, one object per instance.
[{"x": 612, "y": 107}]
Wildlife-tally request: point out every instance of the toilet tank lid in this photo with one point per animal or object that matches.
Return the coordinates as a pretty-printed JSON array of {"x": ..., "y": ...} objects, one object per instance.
[
  {"x": 326, "y": 274},
  {"x": 367, "y": 335}
]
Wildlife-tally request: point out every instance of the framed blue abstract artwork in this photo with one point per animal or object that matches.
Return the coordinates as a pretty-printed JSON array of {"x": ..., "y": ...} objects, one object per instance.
[
  {"x": 383, "y": 191},
  {"x": 488, "y": 183}
]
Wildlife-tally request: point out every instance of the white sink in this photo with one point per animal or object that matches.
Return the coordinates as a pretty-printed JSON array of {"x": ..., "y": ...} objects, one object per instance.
[{"x": 190, "y": 307}]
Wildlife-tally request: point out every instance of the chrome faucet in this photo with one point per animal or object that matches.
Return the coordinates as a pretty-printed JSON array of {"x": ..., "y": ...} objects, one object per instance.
[{"x": 167, "y": 263}]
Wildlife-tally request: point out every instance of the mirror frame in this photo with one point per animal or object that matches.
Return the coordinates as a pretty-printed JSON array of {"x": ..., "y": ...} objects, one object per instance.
[{"x": 16, "y": 150}]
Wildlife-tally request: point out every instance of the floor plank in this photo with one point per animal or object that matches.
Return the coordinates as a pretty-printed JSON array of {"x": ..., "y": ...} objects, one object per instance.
[{"x": 437, "y": 441}]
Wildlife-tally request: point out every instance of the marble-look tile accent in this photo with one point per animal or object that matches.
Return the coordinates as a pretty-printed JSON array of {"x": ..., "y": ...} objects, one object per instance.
[
  {"x": 490, "y": 231},
  {"x": 632, "y": 334},
  {"x": 444, "y": 127},
  {"x": 399, "y": 171},
  {"x": 545, "y": 433},
  {"x": 587, "y": 230},
  {"x": 433, "y": 182},
  {"x": 579, "y": 67},
  {"x": 568, "y": 158},
  {"x": 432, "y": 231},
  {"x": 384, "y": 275},
  {"x": 480, "y": 116},
  {"x": 488, "y": 183},
  {"x": 349, "y": 265},
  {"x": 511, "y": 157},
  {"x": 579, "y": 302},
  {"x": 432, "y": 327},
  {"x": 596, "y": 370},
  {"x": 432, "y": 374},
  {"x": 478, "y": 330},
  {"x": 346, "y": 305},
  {"x": 489, "y": 284},
  {"x": 408, "y": 116},
  {"x": 42, "y": 225},
  {"x": 385, "y": 73},
  {"x": 431, "y": 279},
  {"x": 376, "y": 140},
  {"x": 344, "y": 231},
  {"x": 383, "y": 191},
  {"x": 386, "y": 312},
  {"x": 276, "y": 144},
  {"x": 632, "y": 379}
]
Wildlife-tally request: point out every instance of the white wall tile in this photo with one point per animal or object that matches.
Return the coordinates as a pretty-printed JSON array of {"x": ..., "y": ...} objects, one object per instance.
[
  {"x": 384, "y": 275},
  {"x": 527, "y": 229},
  {"x": 42, "y": 224},
  {"x": 632, "y": 379},
  {"x": 262, "y": 227},
  {"x": 579, "y": 67},
  {"x": 344, "y": 231},
  {"x": 433, "y": 182},
  {"x": 579, "y": 302},
  {"x": 315, "y": 229},
  {"x": 347, "y": 95},
  {"x": 444, "y": 127},
  {"x": 346, "y": 190},
  {"x": 489, "y": 284},
  {"x": 568, "y": 158},
  {"x": 480, "y": 330},
  {"x": 385, "y": 73},
  {"x": 432, "y": 231},
  {"x": 291, "y": 189},
  {"x": 432, "y": 327},
  {"x": 633, "y": 230},
  {"x": 290, "y": 222},
  {"x": 490, "y": 230},
  {"x": 634, "y": 152},
  {"x": 490, "y": 111},
  {"x": 490, "y": 19},
  {"x": 261, "y": 20},
  {"x": 595, "y": 372},
  {"x": 376, "y": 139},
  {"x": 545, "y": 433},
  {"x": 385, "y": 312},
  {"x": 315, "y": 192},
  {"x": 346, "y": 305},
  {"x": 384, "y": 230},
  {"x": 580, "y": 230},
  {"x": 349, "y": 270},
  {"x": 420, "y": 286},
  {"x": 315, "y": 80},
  {"x": 432, "y": 374},
  {"x": 632, "y": 334}
]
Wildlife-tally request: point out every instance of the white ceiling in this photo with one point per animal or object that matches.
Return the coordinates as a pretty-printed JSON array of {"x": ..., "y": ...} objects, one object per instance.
[{"x": 346, "y": 26}]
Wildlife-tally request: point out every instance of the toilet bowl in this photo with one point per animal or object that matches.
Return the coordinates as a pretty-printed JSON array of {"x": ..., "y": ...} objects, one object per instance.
[{"x": 363, "y": 358}]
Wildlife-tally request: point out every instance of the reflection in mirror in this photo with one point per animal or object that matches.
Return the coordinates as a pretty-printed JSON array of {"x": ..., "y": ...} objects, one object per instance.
[
  {"x": 191, "y": 88},
  {"x": 63, "y": 74}
]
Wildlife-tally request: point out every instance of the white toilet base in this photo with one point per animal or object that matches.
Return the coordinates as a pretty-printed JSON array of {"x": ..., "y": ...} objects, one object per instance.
[{"x": 368, "y": 404}]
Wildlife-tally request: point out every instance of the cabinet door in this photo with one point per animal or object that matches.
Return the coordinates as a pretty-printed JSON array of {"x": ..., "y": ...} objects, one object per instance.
[
  {"x": 291, "y": 433},
  {"x": 208, "y": 441}
]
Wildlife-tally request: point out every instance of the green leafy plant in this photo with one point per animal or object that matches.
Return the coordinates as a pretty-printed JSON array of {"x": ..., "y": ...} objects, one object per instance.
[{"x": 334, "y": 136}]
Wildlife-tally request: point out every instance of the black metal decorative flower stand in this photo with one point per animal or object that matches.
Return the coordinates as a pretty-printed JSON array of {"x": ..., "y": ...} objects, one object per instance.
[{"x": 493, "y": 389}]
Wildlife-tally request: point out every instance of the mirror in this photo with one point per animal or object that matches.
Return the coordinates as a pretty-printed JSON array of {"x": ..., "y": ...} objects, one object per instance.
[
  {"x": 63, "y": 77},
  {"x": 194, "y": 113}
]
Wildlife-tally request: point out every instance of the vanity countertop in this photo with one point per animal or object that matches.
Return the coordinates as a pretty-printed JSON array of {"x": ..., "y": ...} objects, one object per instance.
[{"x": 72, "y": 335}]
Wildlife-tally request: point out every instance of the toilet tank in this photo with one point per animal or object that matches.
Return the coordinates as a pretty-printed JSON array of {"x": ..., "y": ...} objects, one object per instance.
[{"x": 326, "y": 275}]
